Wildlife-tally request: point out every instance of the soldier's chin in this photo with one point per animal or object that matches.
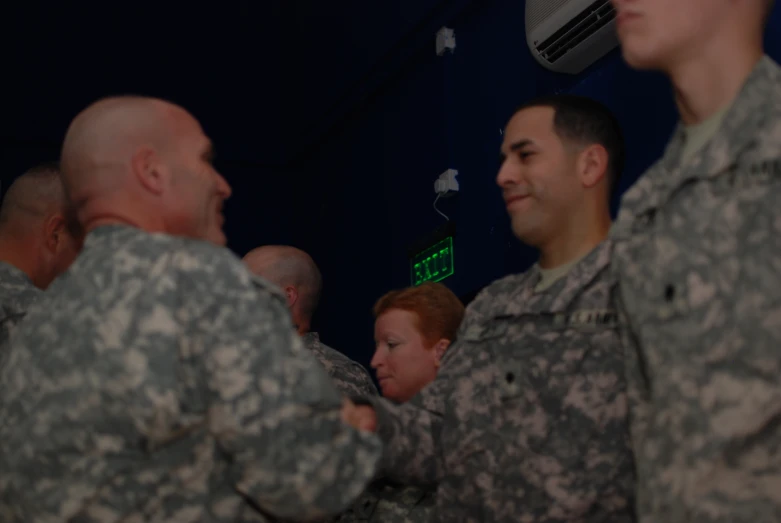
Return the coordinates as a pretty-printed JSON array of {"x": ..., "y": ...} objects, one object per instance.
[
  {"x": 388, "y": 391},
  {"x": 637, "y": 59},
  {"x": 521, "y": 229}
]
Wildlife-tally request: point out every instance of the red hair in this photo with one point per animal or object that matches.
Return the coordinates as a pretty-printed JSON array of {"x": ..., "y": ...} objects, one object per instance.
[{"x": 439, "y": 312}]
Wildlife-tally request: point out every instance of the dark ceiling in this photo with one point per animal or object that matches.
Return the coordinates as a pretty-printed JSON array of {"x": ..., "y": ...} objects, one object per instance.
[{"x": 268, "y": 78}]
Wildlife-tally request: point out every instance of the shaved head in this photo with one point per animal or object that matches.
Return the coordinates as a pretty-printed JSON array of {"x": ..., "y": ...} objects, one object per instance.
[
  {"x": 287, "y": 266},
  {"x": 143, "y": 162},
  {"x": 31, "y": 197},
  {"x": 108, "y": 133},
  {"x": 38, "y": 231}
]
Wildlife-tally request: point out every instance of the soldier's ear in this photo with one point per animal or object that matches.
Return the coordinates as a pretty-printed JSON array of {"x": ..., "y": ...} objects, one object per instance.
[
  {"x": 53, "y": 230},
  {"x": 149, "y": 170},
  {"x": 592, "y": 165},
  {"x": 439, "y": 351},
  {"x": 292, "y": 295}
]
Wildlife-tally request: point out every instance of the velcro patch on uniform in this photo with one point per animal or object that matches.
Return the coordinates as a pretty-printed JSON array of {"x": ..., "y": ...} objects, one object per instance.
[
  {"x": 756, "y": 172},
  {"x": 770, "y": 167}
]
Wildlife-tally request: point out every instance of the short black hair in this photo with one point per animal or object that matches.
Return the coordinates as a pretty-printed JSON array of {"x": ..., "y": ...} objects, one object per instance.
[
  {"x": 43, "y": 172},
  {"x": 585, "y": 121}
]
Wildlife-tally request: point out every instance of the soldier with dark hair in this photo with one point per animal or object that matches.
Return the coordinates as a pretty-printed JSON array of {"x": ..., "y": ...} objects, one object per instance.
[
  {"x": 38, "y": 241},
  {"x": 526, "y": 418}
]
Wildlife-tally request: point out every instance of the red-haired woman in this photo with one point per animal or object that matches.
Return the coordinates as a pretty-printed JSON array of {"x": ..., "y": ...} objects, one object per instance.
[{"x": 412, "y": 330}]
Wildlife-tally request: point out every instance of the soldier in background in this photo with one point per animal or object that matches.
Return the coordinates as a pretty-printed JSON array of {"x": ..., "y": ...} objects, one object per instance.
[
  {"x": 297, "y": 275},
  {"x": 697, "y": 253},
  {"x": 413, "y": 329},
  {"x": 299, "y": 279},
  {"x": 156, "y": 382},
  {"x": 38, "y": 241},
  {"x": 526, "y": 419}
]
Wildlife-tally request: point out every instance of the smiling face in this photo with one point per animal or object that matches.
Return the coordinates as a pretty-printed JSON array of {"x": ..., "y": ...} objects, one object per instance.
[
  {"x": 538, "y": 175},
  {"x": 197, "y": 191}
]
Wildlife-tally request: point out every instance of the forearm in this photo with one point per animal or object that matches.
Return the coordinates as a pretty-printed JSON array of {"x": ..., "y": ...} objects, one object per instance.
[
  {"x": 410, "y": 435},
  {"x": 310, "y": 464}
]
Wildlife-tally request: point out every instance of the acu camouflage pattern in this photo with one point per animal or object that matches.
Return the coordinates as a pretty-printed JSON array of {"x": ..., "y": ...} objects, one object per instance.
[
  {"x": 389, "y": 502},
  {"x": 352, "y": 380},
  {"x": 349, "y": 377},
  {"x": 526, "y": 420},
  {"x": 383, "y": 501},
  {"x": 698, "y": 257},
  {"x": 17, "y": 294},
  {"x": 400, "y": 504},
  {"x": 155, "y": 383}
]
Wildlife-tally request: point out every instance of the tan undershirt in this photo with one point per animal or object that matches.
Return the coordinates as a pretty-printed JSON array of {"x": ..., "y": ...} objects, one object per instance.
[
  {"x": 700, "y": 134},
  {"x": 550, "y": 276}
]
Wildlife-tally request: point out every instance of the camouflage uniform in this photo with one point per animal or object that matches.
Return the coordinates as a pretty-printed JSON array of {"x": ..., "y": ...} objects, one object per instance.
[
  {"x": 400, "y": 504},
  {"x": 383, "y": 501},
  {"x": 158, "y": 384},
  {"x": 352, "y": 380},
  {"x": 698, "y": 257},
  {"x": 350, "y": 377},
  {"x": 17, "y": 294},
  {"x": 526, "y": 420},
  {"x": 389, "y": 502}
]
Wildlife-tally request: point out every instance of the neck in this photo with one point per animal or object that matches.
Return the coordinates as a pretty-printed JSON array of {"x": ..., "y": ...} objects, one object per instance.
[
  {"x": 94, "y": 217},
  {"x": 301, "y": 324},
  {"x": 302, "y": 328},
  {"x": 21, "y": 255},
  {"x": 707, "y": 83},
  {"x": 579, "y": 238}
]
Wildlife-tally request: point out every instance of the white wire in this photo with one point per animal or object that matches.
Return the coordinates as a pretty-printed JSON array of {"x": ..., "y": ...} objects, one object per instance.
[{"x": 435, "y": 207}]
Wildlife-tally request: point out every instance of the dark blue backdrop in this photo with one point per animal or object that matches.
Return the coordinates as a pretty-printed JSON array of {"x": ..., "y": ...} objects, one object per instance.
[
  {"x": 331, "y": 123},
  {"x": 373, "y": 190}
]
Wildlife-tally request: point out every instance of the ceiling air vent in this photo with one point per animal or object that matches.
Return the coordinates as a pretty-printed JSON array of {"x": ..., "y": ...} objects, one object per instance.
[{"x": 567, "y": 36}]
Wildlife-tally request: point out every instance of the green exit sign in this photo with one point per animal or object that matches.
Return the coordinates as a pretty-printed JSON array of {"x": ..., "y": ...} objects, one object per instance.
[{"x": 434, "y": 263}]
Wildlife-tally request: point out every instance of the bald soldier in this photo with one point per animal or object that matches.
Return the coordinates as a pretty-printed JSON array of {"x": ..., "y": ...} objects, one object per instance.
[
  {"x": 299, "y": 279},
  {"x": 297, "y": 275},
  {"x": 38, "y": 241},
  {"x": 159, "y": 383},
  {"x": 698, "y": 259}
]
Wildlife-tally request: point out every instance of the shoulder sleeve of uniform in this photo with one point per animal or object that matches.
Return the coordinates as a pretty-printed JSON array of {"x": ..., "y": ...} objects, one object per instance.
[
  {"x": 273, "y": 409},
  {"x": 350, "y": 377},
  {"x": 366, "y": 383},
  {"x": 354, "y": 380}
]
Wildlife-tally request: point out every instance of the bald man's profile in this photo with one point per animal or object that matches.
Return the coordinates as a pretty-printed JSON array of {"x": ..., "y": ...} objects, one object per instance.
[
  {"x": 38, "y": 241},
  {"x": 297, "y": 275},
  {"x": 118, "y": 156},
  {"x": 156, "y": 381}
]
